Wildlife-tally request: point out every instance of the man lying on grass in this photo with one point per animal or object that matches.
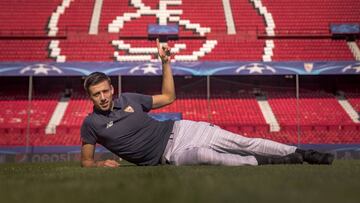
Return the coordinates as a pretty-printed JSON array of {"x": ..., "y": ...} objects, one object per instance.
[{"x": 123, "y": 126}]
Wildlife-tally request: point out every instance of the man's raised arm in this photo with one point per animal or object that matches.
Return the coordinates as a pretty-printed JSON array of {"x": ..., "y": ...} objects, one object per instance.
[{"x": 167, "y": 95}]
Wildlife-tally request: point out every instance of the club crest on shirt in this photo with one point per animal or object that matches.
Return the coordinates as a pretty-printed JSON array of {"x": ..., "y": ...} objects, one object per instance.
[
  {"x": 109, "y": 124},
  {"x": 129, "y": 109}
]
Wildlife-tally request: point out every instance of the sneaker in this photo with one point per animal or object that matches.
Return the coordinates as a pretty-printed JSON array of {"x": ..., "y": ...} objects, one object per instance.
[
  {"x": 293, "y": 158},
  {"x": 315, "y": 157}
]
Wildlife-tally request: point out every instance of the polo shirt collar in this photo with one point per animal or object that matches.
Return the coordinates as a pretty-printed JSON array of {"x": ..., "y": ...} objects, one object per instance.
[{"x": 116, "y": 103}]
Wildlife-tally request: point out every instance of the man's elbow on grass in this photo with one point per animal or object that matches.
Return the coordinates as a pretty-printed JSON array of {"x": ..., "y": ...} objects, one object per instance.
[{"x": 87, "y": 164}]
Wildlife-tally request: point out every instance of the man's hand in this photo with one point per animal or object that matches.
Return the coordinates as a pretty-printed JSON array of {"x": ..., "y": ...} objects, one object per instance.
[
  {"x": 108, "y": 163},
  {"x": 164, "y": 52}
]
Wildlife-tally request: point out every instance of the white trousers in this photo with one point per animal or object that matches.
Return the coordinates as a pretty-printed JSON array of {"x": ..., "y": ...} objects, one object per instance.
[{"x": 202, "y": 143}]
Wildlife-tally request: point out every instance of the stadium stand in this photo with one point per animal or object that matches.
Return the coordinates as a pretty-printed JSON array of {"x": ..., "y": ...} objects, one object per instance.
[
  {"x": 16, "y": 112},
  {"x": 21, "y": 18},
  {"x": 354, "y": 99},
  {"x": 77, "y": 110},
  {"x": 315, "y": 108},
  {"x": 74, "y": 19},
  {"x": 320, "y": 115},
  {"x": 23, "y": 50},
  {"x": 311, "y": 17},
  {"x": 311, "y": 49}
]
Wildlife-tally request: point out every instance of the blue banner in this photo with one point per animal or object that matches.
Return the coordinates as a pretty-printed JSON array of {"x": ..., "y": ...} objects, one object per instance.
[
  {"x": 352, "y": 28},
  {"x": 155, "y": 29},
  {"x": 202, "y": 68},
  {"x": 166, "y": 116}
]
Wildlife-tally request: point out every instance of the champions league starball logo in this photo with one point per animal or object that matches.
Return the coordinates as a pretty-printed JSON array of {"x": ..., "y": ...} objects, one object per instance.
[
  {"x": 41, "y": 69},
  {"x": 146, "y": 69},
  {"x": 255, "y": 68}
]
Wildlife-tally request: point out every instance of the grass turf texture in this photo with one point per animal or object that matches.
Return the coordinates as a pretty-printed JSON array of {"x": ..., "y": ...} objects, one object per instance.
[{"x": 67, "y": 182}]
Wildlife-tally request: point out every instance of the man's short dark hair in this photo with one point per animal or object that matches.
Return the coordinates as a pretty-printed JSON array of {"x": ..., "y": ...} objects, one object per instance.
[{"x": 95, "y": 78}]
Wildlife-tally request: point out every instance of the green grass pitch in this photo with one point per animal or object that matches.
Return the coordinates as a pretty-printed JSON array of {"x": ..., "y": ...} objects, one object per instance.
[{"x": 67, "y": 183}]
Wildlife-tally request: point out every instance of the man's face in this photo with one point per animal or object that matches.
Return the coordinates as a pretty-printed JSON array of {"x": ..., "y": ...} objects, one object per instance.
[{"x": 101, "y": 95}]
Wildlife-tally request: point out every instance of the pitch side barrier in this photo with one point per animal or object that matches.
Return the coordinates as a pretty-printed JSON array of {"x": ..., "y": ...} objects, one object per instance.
[
  {"x": 204, "y": 68},
  {"x": 72, "y": 153}
]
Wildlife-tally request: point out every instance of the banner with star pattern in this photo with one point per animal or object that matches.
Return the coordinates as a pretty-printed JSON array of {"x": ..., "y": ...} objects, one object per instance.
[{"x": 203, "y": 68}]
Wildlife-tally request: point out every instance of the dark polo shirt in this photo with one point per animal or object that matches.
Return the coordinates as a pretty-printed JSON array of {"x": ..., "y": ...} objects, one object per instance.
[{"x": 128, "y": 131}]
